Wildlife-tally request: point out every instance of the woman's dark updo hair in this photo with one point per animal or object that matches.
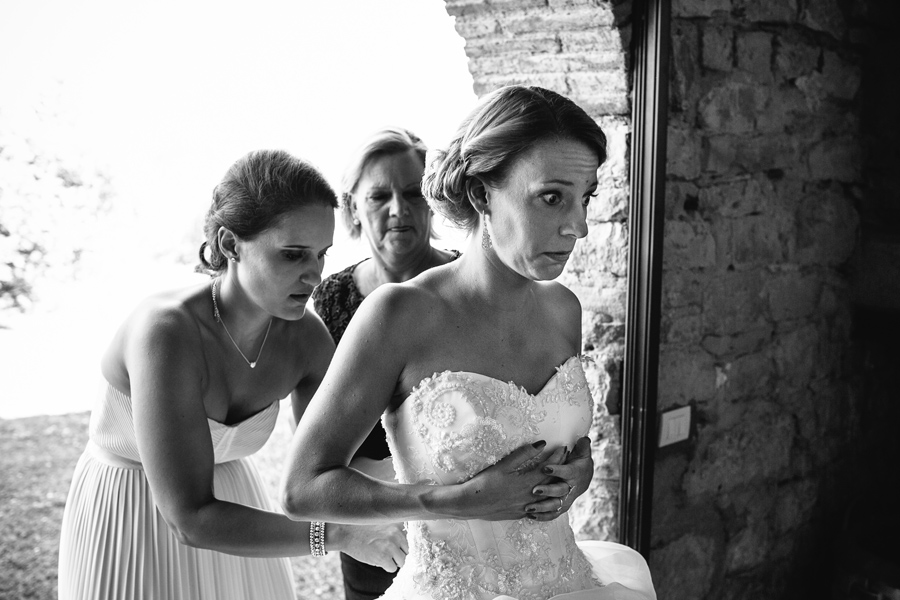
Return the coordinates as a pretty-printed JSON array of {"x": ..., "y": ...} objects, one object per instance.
[
  {"x": 256, "y": 191},
  {"x": 506, "y": 123}
]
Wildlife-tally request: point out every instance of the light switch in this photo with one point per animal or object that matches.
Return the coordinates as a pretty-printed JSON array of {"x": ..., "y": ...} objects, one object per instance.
[{"x": 674, "y": 426}]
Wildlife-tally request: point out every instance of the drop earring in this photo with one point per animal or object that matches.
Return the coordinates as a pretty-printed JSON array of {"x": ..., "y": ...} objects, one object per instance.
[{"x": 485, "y": 236}]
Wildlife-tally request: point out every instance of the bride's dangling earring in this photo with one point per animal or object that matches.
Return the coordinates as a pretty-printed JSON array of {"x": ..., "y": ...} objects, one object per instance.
[{"x": 485, "y": 236}]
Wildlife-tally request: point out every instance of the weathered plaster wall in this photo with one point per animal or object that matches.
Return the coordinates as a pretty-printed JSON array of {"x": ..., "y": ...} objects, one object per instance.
[
  {"x": 578, "y": 48},
  {"x": 765, "y": 175}
]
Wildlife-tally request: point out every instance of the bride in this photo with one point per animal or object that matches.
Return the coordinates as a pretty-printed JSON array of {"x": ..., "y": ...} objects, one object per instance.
[{"x": 468, "y": 362}]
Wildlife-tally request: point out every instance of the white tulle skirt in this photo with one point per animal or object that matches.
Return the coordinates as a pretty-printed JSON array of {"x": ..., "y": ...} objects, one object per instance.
[
  {"x": 623, "y": 571},
  {"x": 116, "y": 545}
]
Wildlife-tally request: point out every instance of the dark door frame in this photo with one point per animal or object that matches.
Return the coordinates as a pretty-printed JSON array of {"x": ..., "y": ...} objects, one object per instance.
[{"x": 650, "y": 52}]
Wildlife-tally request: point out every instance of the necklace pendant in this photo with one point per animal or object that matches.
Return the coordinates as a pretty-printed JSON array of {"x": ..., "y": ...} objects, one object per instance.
[{"x": 218, "y": 318}]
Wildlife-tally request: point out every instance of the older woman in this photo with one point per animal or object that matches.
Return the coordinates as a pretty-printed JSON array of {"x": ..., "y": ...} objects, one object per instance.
[
  {"x": 382, "y": 200},
  {"x": 469, "y": 362}
]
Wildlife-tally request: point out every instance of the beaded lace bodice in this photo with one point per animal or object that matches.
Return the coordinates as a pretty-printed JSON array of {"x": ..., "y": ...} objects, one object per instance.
[{"x": 455, "y": 424}]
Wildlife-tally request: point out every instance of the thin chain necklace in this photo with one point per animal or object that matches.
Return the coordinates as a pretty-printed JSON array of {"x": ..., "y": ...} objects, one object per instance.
[{"x": 219, "y": 319}]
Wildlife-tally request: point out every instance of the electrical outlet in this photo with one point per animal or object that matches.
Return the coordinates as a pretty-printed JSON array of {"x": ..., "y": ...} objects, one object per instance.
[{"x": 674, "y": 426}]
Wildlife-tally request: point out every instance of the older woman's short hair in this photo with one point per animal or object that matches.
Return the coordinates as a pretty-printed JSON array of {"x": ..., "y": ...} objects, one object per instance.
[
  {"x": 393, "y": 140},
  {"x": 505, "y": 124}
]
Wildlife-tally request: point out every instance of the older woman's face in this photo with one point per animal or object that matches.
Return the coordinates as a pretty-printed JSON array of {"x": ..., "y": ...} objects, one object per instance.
[{"x": 390, "y": 207}]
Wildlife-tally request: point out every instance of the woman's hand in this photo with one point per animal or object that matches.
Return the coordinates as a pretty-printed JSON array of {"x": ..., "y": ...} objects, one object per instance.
[
  {"x": 565, "y": 482},
  {"x": 380, "y": 545},
  {"x": 502, "y": 491}
]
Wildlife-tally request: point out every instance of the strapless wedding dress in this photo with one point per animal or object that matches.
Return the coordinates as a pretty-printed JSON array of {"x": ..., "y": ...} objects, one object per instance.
[{"x": 455, "y": 424}]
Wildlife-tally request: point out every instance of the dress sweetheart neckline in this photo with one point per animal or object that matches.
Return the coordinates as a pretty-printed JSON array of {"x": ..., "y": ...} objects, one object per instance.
[
  {"x": 211, "y": 420},
  {"x": 261, "y": 411},
  {"x": 472, "y": 374}
]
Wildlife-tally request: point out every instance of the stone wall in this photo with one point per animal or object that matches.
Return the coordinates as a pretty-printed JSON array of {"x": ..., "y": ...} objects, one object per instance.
[
  {"x": 577, "y": 48},
  {"x": 764, "y": 181},
  {"x": 774, "y": 150}
]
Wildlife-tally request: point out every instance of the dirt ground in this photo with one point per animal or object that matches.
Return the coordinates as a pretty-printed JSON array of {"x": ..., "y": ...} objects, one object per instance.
[{"x": 37, "y": 457}]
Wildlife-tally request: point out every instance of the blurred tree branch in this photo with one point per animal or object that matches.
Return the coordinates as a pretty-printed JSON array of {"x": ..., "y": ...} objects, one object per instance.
[{"x": 50, "y": 205}]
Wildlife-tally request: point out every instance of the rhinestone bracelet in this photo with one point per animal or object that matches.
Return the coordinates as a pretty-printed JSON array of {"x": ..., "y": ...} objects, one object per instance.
[{"x": 317, "y": 538}]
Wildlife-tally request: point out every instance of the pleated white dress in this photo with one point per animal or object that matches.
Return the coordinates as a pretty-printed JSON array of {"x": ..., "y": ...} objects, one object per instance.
[{"x": 114, "y": 542}]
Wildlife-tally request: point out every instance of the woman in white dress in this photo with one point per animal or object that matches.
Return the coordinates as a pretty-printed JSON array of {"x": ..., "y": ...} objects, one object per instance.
[
  {"x": 164, "y": 503},
  {"x": 467, "y": 362}
]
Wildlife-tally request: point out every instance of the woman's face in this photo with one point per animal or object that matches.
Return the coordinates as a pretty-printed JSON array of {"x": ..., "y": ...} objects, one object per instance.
[
  {"x": 540, "y": 210},
  {"x": 390, "y": 207},
  {"x": 279, "y": 268}
]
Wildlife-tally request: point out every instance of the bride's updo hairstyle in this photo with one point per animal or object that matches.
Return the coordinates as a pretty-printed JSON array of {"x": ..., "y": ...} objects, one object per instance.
[
  {"x": 256, "y": 191},
  {"x": 503, "y": 126}
]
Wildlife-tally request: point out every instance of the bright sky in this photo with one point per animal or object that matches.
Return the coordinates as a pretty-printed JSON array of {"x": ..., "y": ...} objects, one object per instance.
[{"x": 166, "y": 95}]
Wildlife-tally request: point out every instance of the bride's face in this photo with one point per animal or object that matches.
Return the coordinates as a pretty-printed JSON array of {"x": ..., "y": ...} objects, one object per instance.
[{"x": 540, "y": 210}]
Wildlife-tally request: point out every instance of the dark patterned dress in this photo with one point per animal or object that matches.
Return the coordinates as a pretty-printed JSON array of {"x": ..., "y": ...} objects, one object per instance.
[{"x": 336, "y": 300}]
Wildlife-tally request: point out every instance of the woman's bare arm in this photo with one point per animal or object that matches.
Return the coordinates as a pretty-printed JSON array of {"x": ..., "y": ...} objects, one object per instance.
[
  {"x": 165, "y": 367},
  {"x": 320, "y": 346},
  {"x": 360, "y": 384}
]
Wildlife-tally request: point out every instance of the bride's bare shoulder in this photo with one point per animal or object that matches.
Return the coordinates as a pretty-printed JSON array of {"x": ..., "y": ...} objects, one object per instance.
[
  {"x": 563, "y": 308},
  {"x": 407, "y": 302},
  {"x": 556, "y": 293}
]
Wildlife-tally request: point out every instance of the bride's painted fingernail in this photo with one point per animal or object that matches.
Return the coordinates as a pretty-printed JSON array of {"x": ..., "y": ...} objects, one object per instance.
[
  {"x": 530, "y": 509},
  {"x": 539, "y": 444},
  {"x": 532, "y": 517},
  {"x": 547, "y": 470},
  {"x": 538, "y": 492}
]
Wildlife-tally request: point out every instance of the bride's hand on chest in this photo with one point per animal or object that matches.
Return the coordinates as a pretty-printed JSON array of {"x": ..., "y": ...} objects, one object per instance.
[{"x": 504, "y": 490}]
